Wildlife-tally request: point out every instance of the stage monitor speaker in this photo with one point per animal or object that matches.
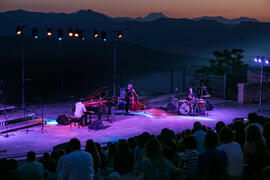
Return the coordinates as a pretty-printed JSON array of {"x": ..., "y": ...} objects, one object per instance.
[
  {"x": 63, "y": 120},
  {"x": 96, "y": 125}
]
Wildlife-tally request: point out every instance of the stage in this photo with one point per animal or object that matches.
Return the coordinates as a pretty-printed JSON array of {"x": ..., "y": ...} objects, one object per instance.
[{"x": 123, "y": 126}]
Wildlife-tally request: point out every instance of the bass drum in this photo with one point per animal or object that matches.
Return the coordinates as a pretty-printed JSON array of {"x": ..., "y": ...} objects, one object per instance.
[{"x": 185, "y": 109}]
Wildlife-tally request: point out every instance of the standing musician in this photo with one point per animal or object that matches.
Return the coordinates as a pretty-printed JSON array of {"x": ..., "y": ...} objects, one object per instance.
[
  {"x": 129, "y": 93},
  {"x": 190, "y": 95}
]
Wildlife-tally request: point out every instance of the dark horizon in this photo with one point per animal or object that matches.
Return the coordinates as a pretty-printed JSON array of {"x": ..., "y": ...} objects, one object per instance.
[
  {"x": 142, "y": 16},
  {"x": 171, "y": 8}
]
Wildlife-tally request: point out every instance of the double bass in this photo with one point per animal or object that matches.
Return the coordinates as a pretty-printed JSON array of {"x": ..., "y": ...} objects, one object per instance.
[{"x": 135, "y": 103}]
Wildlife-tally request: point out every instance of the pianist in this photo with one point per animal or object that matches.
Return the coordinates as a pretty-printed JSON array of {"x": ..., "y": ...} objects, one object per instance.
[{"x": 80, "y": 111}]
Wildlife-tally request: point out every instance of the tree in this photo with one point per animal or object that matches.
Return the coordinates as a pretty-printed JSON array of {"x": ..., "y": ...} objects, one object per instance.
[{"x": 229, "y": 62}]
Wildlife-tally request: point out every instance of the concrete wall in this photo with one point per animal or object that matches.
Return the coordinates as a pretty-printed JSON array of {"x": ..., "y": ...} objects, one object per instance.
[
  {"x": 249, "y": 92},
  {"x": 254, "y": 76}
]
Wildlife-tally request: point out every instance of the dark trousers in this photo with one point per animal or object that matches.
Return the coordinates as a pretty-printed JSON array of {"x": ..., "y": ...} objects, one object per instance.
[
  {"x": 84, "y": 118},
  {"x": 127, "y": 105}
]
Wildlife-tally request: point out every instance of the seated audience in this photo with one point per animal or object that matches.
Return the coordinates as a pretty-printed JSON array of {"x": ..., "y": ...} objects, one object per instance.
[
  {"x": 253, "y": 118},
  {"x": 199, "y": 135},
  {"x": 191, "y": 155},
  {"x": 4, "y": 168},
  {"x": 154, "y": 165},
  {"x": 102, "y": 157},
  {"x": 266, "y": 134},
  {"x": 235, "y": 160},
  {"x": 212, "y": 163},
  {"x": 13, "y": 173},
  {"x": 219, "y": 125},
  {"x": 239, "y": 133},
  {"x": 31, "y": 170},
  {"x": 78, "y": 164},
  {"x": 123, "y": 159},
  {"x": 255, "y": 152},
  {"x": 112, "y": 149},
  {"x": 92, "y": 149},
  {"x": 139, "y": 151}
]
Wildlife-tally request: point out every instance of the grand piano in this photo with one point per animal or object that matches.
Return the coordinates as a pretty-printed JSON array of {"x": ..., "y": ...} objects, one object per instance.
[{"x": 99, "y": 103}]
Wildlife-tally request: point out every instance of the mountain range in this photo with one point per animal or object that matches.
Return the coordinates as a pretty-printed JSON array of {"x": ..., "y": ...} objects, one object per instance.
[{"x": 196, "y": 37}]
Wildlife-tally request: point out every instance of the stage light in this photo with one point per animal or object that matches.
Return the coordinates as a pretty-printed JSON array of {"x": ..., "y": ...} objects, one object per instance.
[
  {"x": 49, "y": 32},
  {"x": 35, "y": 33},
  {"x": 76, "y": 34},
  {"x": 259, "y": 60},
  {"x": 119, "y": 35},
  {"x": 19, "y": 30},
  {"x": 95, "y": 34},
  {"x": 256, "y": 60},
  {"x": 60, "y": 34},
  {"x": 266, "y": 61},
  {"x": 70, "y": 33},
  {"x": 103, "y": 36}
]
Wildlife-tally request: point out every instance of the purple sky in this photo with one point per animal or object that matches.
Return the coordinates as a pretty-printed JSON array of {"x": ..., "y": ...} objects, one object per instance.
[{"x": 132, "y": 8}]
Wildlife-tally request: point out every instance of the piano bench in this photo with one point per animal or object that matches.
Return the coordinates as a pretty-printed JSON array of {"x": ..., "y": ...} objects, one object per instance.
[{"x": 75, "y": 120}]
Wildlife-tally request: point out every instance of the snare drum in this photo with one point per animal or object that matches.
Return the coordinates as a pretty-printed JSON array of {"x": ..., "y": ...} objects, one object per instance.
[
  {"x": 182, "y": 101},
  {"x": 201, "y": 104}
]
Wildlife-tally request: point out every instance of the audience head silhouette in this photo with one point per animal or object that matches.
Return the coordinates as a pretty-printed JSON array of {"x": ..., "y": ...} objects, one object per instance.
[
  {"x": 226, "y": 135},
  {"x": 211, "y": 141},
  {"x": 74, "y": 144},
  {"x": 31, "y": 156}
]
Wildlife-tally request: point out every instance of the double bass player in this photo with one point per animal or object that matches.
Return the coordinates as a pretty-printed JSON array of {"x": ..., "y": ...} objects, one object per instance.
[{"x": 130, "y": 94}]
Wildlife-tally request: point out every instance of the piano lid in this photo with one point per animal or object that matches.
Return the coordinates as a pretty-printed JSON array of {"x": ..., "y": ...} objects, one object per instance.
[{"x": 100, "y": 93}]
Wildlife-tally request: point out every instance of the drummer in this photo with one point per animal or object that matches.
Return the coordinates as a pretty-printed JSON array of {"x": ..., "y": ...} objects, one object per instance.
[{"x": 190, "y": 95}]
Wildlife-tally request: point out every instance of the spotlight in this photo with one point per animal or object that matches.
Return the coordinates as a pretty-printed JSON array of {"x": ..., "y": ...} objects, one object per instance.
[
  {"x": 60, "y": 34},
  {"x": 35, "y": 33},
  {"x": 95, "y": 34},
  {"x": 259, "y": 60},
  {"x": 19, "y": 30},
  {"x": 103, "y": 36},
  {"x": 119, "y": 35},
  {"x": 76, "y": 34},
  {"x": 49, "y": 32},
  {"x": 266, "y": 61},
  {"x": 255, "y": 60},
  {"x": 70, "y": 33}
]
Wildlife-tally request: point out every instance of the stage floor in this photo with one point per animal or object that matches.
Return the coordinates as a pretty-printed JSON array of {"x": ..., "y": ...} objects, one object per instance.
[{"x": 152, "y": 121}]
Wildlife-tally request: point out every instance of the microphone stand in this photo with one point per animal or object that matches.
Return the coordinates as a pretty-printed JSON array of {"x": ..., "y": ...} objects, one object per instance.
[{"x": 42, "y": 116}]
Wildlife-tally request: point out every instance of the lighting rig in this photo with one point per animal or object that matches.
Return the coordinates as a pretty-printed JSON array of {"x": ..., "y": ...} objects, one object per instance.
[
  {"x": 262, "y": 61},
  {"x": 71, "y": 33}
]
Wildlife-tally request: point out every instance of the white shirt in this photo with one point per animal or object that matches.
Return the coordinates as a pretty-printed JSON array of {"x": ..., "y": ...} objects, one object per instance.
[
  {"x": 77, "y": 165},
  {"x": 235, "y": 161},
  {"x": 199, "y": 136},
  {"x": 79, "y": 109}
]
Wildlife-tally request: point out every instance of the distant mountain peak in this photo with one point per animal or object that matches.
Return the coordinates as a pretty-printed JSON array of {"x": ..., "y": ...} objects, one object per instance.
[
  {"x": 154, "y": 16},
  {"x": 85, "y": 12},
  {"x": 224, "y": 20}
]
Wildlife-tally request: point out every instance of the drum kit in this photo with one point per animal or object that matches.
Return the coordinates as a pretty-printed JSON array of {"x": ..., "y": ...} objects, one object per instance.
[{"x": 190, "y": 107}]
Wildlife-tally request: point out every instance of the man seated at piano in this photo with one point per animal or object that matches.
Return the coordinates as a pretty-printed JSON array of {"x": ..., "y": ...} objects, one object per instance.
[{"x": 80, "y": 111}]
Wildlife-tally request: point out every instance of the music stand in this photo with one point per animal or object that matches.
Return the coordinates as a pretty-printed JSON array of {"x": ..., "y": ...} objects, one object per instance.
[{"x": 42, "y": 117}]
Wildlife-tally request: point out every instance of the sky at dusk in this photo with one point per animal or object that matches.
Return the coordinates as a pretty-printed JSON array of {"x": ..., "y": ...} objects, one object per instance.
[{"x": 133, "y": 8}]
